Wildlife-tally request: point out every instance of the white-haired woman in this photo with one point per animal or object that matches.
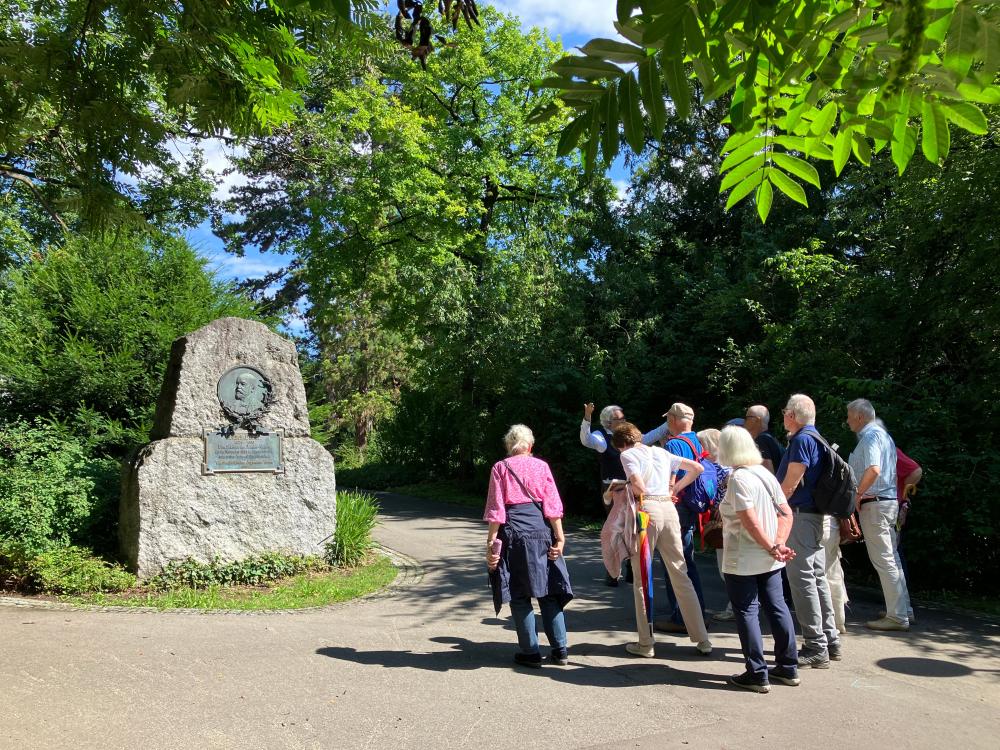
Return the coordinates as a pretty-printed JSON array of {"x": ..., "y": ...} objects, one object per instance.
[
  {"x": 756, "y": 523},
  {"x": 524, "y": 512}
]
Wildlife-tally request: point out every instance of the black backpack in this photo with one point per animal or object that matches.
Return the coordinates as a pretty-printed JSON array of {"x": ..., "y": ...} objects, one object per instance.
[{"x": 834, "y": 493}]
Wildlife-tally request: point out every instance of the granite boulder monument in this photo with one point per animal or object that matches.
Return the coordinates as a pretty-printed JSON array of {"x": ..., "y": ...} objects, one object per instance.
[{"x": 231, "y": 470}]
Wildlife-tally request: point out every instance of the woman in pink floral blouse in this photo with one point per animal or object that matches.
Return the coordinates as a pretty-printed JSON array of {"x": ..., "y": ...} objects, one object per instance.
[{"x": 524, "y": 512}]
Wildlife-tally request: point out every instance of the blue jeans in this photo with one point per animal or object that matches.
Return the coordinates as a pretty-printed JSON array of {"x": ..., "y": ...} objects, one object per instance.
[
  {"x": 553, "y": 621},
  {"x": 689, "y": 521},
  {"x": 747, "y": 593}
]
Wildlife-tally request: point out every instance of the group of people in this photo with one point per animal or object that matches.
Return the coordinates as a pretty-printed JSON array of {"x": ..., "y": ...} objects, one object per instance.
[{"x": 779, "y": 550}]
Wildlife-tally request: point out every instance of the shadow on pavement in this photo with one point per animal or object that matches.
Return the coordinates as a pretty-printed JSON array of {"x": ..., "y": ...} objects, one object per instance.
[
  {"x": 952, "y": 638},
  {"x": 467, "y": 655},
  {"x": 952, "y": 641},
  {"x": 919, "y": 667},
  {"x": 461, "y": 582}
]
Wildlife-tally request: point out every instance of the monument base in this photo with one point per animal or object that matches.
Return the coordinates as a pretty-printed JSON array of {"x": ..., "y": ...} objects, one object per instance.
[{"x": 171, "y": 509}]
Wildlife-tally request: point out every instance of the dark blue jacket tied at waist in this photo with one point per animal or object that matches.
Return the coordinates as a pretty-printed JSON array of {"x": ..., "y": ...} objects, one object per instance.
[{"x": 525, "y": 569}]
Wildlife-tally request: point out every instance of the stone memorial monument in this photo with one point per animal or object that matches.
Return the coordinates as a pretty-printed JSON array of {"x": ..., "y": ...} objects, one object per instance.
[{"x": 231, "y": 470}]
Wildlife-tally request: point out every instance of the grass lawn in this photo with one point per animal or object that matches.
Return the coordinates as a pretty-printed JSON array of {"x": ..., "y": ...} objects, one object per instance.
[{"x": 306, "y": 590}]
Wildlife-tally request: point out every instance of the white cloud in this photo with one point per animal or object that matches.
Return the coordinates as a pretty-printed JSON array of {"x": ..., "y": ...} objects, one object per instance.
[
  {"x": 218, "y": 158},
  {"x": 588, "y": 18},
  {"x": 621, "y": 187},
  {"x": 229, "y": 266}
]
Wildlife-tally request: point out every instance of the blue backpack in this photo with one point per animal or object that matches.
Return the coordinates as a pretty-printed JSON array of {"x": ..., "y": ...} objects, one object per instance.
[{"x": 700, "y": 494}]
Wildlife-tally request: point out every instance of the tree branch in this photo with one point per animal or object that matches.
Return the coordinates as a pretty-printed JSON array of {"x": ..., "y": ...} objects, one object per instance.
[{"x": 23, "y": 178}]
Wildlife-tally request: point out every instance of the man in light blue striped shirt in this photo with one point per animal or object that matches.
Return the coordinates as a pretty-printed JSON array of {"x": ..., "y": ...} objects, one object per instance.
[{"x": 874, "y": 464}]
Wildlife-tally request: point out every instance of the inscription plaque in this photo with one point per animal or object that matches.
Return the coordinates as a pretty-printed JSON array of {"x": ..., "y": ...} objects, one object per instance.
[{"x": 242, "y": 451}]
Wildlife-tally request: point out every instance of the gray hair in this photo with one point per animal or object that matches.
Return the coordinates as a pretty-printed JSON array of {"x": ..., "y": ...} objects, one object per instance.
[
  {"x": 760, "y": 411},
  {"x": 709, "y": 440},
  {"x": 519, "y": 439},
  {"x": 737, "y": 448},
  {"x": 802, "y": 408},
  {"x": 607, "y": 414},
  {"x": 863, "y": 408}
]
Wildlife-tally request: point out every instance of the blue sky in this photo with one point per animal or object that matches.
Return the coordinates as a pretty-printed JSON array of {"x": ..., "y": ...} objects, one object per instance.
[{"x": 575, "y": 23}]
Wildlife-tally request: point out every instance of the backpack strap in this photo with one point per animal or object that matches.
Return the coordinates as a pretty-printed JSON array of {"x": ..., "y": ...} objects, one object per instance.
[
  {"x": 534, "y": 500},
  {"x": 820, "y": 439},
  {"x": 687, "y": 440}
]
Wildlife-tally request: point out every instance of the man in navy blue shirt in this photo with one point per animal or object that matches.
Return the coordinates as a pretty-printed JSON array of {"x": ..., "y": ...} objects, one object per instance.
[
  {"x": 757, "y": 421},
  {"x": 798, "y": 472},
  {"x": 680, "y": 423}
]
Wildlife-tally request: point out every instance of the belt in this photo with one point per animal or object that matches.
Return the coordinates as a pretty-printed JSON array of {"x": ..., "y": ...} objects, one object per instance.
[
  {"x": 867, "y": 500},
  {"x": 658, "y": 498},
  {"x": 802, "y": 510}
]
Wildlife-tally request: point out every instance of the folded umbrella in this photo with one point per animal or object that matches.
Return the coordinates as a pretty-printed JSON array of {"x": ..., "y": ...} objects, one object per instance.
[{"x": 645, "y": 571}]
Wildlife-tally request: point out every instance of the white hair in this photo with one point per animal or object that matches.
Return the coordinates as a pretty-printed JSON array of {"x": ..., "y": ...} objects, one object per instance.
[
  {"x": 709, "y": 440},
  {"x": 519, "y": 439},
  {"x": 863, "y": 408},
  {"x": 760, "y": 411},
  {"x": 737, "y": 448},
  {"x": 802, "y": 408},
  {"x": 607, "y": 414}
]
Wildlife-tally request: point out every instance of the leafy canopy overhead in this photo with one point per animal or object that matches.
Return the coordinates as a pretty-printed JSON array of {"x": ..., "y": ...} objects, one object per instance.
[
  {"x": 805, "y": 79},
  {"x": 91, "y": 90}
]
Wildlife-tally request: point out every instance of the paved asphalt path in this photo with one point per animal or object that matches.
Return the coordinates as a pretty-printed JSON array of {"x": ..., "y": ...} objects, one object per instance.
[{"x": 427, "y": 665}]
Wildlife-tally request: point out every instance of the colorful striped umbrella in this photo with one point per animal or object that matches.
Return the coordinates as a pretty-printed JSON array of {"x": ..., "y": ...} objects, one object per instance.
[{"x": 645, "y": 571}]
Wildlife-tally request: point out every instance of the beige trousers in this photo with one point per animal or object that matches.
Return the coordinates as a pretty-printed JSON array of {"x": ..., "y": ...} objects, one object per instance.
[
  {"x": 664, "y": 534},
  {"x": 834, "y": 572}
]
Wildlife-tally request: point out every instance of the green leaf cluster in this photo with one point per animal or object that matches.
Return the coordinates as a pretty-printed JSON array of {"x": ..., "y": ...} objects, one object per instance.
[
  {"x": 48, "y": 486},
  {"x": 59, "y": 570},
  {"x": 804, "y": 79},
  {"x": 427, "y": 217},
  {"x": 357, "y": 516},
  {"x": 255, "y": 570},
  {"x": 94, "y": 96},
  {"x": 88, "y": 327}
]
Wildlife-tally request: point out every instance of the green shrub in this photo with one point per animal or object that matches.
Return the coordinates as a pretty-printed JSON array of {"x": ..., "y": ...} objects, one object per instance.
[
  {"x": 50, "y": 488},
  {"x": 251, "y": 571},
  {"x": 357, "y": 515},
  {"x": 59, "y": 570},
  {"x": 87, "y": 329}
]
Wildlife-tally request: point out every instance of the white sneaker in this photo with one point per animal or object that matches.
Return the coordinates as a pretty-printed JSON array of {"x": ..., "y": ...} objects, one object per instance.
[
  {"x": 704, "y": 648},
  {"x": 637, "y": 649}
]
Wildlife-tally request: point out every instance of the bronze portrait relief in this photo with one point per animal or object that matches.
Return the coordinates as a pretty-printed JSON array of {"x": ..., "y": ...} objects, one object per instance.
[{"x": 245, "y": 394}]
